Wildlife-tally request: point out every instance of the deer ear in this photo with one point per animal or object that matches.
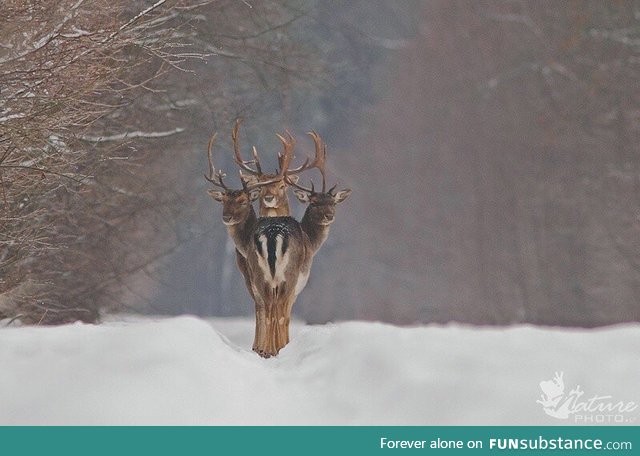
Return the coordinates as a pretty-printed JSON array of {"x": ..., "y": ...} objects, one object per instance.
[
  {"x": 293, "y": 179},
  {"x": 216, "y": 195},
  {"x": 342, "y": 195},
  {"x": 302, "y": 196},
  {"x": 248, "y": 179},
  {"x": 254, "y": 194}
]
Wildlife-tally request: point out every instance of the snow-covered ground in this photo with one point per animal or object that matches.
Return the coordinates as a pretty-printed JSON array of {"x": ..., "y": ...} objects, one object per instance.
[{"x": 191, "y": 371}]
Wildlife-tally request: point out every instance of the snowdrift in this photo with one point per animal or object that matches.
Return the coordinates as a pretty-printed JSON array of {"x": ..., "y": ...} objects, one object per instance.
[{"x": 190, "y": 371}]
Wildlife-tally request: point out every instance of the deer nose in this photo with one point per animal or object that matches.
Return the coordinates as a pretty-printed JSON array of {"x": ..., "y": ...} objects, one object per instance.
[
  {"x": 269, "y": 198},
  {"x": 226, "y": 218},
  {"x": 329, "y": 218}
]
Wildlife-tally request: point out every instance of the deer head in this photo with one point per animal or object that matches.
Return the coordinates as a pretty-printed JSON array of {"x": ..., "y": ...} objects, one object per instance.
[
  {"x": 322, "y": 205},
  {"x": 236, "y": 204},
  {"x": 273, "y": 199}
]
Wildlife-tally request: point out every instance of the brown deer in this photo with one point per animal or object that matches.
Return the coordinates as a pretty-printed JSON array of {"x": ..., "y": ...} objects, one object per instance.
[
  {"x": 275, "y": 253},
  {"x": 280, "y": 262},
  {"x": 321, "y": 209},
  {"x": 273, "y": 200},
  {"x": 240, "y": 218},
  {"x": 237, "y": 211}
]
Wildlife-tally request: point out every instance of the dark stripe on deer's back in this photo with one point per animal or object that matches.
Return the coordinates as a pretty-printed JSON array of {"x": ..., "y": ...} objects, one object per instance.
[{"x": 271, "y": 253}]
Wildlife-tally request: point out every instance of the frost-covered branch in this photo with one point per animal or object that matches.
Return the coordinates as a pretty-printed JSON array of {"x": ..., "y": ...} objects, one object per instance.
[{"x": 132, "y": 135}]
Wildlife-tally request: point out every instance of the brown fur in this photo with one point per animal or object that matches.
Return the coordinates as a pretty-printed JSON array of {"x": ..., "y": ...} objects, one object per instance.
[
  {"x": 273, "y": 200},
  {"x": 274, "y": 301}
]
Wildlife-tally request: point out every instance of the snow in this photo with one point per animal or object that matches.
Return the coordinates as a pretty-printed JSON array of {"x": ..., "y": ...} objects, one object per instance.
[
  {"x": 132, "y": 135},
  {"x": 187, "y": 370}
]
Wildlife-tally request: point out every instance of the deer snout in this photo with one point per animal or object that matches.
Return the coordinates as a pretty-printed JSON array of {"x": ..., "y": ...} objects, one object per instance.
[
  {"x": 269, "y": 200},
  {"x": 328, "y": 218},
  {"x": 227, "y": 219}
]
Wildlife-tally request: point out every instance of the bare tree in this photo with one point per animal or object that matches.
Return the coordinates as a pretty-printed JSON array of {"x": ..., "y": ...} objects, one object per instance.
[{"x": 90, "y": 108}]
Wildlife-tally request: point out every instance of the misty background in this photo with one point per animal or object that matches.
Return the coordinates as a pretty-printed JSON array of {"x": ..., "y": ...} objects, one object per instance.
[{"x": 492, "y": 149}]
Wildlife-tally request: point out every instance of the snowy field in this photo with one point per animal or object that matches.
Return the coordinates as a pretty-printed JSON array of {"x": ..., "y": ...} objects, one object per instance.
[{"x": 191, "y": 371}]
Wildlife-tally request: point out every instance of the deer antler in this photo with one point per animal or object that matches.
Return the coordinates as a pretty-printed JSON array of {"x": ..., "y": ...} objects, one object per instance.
[
  {"x": 284, "y": 159},
  {"x": 318, "y": 162},
  {"x": 321, "y": 157},
  {"x": 215, "y": 176},
  {"x": 238, "y": 158}
]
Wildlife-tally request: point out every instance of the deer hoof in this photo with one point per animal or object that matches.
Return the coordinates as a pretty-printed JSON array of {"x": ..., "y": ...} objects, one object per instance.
[{"x": 263, "y": 353}]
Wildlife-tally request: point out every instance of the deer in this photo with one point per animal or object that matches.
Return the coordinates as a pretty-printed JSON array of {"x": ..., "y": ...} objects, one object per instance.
[
  {"x": 321, "y": 208},
  {"x": 273, "y": 199},
  {"x": 240, "y": 218},
  {"x": 275, "y": 253},
  {"x": 238, "y": 214},
  {"x": 280, "y": 262}
]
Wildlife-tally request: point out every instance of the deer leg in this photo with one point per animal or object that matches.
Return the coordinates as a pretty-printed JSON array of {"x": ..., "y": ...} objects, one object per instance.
[
  {"x": 287, "y": 317},
  {"x": 272, "y": 323},
  {"x": 260, "y": 340},
  {"x": 242, "y": 266},
  {"x": 290, "y": 302},
  {"x": 283, "y": 319},
  {"x": 265, "y": 339},
  {"x": 260, "y": 324}
]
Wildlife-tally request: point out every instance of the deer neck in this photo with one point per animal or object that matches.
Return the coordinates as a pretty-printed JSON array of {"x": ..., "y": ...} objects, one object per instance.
[
  {"x": 316, "y": 232},
  {"x": 279, "y": 211},
  {"x": 240, "y": 233}
]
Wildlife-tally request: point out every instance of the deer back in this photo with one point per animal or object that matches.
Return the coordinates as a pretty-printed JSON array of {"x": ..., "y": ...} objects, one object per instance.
[{"x": 278, "y": 255}]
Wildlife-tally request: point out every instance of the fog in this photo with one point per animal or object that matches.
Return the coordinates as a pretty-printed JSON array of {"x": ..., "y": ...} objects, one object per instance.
[
  {"x": 492, "y": 151},
  {"x": 491, "y": 146}
]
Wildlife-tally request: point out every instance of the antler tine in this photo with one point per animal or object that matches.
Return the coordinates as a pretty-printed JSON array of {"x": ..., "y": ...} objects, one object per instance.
[
  {"x": 286, "y": 156},
  {"x": 299, "y": 169},
  {"x": 236, "y": 152},
  {"x": 209, "y": 147},
  {"x": 219, "y": 175},
  {"x": 256, "y": 160},
  {"x": 304, "y": 189},
  {"x": 322, "y": 168},
  {"x": 284, "y": 159},
  {"x": 319, "y": 161}
]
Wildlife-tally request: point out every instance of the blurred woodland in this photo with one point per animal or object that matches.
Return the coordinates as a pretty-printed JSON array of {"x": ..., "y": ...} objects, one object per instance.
[{"x": 492, "y": 146}]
